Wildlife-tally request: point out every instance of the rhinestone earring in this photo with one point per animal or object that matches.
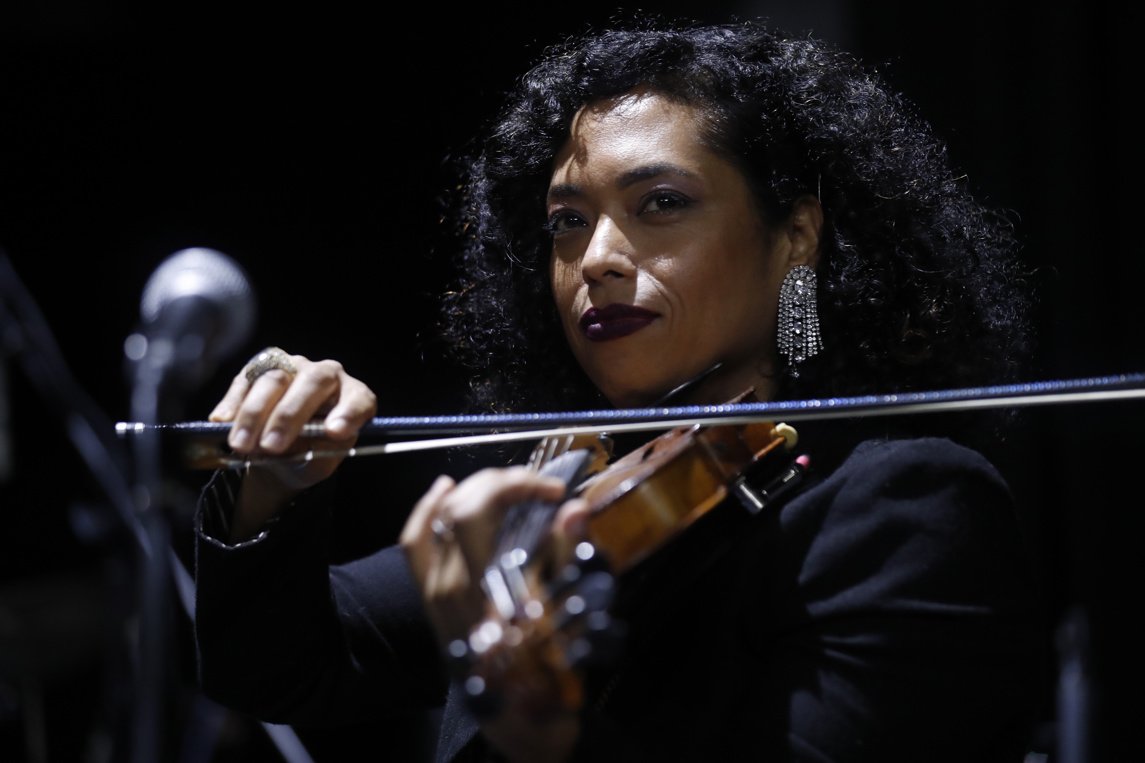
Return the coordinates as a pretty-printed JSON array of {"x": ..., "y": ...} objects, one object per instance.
[{"x": 797, "y": 333}]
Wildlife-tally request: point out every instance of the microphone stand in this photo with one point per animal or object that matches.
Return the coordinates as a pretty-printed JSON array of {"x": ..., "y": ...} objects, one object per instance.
[
  {"x": 155, "y": 628},
  {"x": 194, "y": 304},
  {"x": 28, "y": 338}
]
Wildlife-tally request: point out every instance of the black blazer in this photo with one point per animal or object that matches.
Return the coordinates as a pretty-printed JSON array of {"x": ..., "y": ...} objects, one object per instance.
[{"x": 888, "y": 611}]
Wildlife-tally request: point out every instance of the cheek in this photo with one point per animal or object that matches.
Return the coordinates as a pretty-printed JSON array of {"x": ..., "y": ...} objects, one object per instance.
[
  {"x": 730, "y": 284},
  {"x": 719, "y": 272}
]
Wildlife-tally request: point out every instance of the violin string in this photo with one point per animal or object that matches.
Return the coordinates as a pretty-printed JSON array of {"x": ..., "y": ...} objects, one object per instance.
[
  {"x": 523, "y": 527},
  {"x": 511, "y": 524},
  {"x": 523, "y": 523}
]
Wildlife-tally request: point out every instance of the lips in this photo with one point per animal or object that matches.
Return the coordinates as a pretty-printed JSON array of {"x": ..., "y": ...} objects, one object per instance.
[{"x": 601, "y": 324}]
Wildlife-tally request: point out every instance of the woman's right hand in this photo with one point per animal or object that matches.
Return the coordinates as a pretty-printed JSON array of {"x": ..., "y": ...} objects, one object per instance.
[{"x": 268, "y": 414}]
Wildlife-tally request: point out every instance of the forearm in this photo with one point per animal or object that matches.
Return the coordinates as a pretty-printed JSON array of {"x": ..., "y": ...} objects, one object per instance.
[
  {"x": 276, "y": 639},
  {"x": 255, "y": 605}
]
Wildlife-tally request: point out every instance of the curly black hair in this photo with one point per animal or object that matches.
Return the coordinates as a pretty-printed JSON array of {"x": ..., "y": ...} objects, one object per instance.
[{"x": 920, "y": 284}]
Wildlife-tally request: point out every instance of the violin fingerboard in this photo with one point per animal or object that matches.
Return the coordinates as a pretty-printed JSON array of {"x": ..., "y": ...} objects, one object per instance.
[{"x": 526, "y": 523}]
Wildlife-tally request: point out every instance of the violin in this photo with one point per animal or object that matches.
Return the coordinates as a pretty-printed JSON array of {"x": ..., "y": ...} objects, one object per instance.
[{"x": 547, "y": 622}]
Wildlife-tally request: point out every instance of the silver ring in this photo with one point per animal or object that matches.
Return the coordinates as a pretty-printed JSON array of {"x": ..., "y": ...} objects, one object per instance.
[
  {"x": 442, "y": 530},
  {"x": 269, "y": 359}
]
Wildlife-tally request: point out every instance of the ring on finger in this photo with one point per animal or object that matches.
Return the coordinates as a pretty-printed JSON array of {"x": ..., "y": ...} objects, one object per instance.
[
  {"x": 269, "y": 359},
  {"x": 442, "y": 530}
]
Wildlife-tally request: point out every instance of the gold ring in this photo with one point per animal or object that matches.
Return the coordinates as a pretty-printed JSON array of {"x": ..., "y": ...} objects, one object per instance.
[{"x": 269, "y": 359}]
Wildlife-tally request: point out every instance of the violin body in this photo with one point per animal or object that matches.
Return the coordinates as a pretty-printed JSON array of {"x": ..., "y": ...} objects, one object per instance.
[{"x": 658, "y": 490}]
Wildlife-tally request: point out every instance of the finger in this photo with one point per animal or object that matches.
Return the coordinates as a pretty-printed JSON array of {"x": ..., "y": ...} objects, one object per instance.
[
  {"x": 572, "y": 518},
  {"x": 322, "y": 386},
  {"x": 570, "y": 527},
  {"x": 417, "y": 526},
  {"x": 478, "y": 504},
  {"x": 416, "y": 536},
  {"x": 453, "y": 600},
  {"x": 299, "y": 398},
  {"x": 255, "y": 409},
  {"x": 356, "y": 405},
  {"x": 226, "y": 408}
]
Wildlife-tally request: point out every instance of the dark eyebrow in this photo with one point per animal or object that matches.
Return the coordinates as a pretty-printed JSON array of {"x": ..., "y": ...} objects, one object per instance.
[
  {"x": 635, "y": 175},
  {"x": 650, "y": 171}
]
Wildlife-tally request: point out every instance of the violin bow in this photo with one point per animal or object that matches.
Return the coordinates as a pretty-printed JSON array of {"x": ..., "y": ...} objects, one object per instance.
[{"x": 399, "y": 434}]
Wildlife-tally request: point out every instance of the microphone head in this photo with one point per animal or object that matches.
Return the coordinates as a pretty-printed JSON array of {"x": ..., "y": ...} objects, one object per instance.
[{"x": 203, "y": 276}]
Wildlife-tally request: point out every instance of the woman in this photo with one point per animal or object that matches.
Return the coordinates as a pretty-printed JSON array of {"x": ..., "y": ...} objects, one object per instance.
[{"x": 697, "y": 214}]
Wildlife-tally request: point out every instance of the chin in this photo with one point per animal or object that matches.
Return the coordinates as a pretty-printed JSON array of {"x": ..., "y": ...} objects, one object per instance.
[
  {"x": 630, "y": 398},
  {"x": 628, "y": 386}
]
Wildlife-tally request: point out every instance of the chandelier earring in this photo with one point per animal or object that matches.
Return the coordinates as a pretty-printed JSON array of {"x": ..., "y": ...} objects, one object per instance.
[{"x": 797, "y": 331}]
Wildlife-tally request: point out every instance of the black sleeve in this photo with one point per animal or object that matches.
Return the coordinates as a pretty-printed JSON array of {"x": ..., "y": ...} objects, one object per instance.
[{"x": 285, "y": 637}]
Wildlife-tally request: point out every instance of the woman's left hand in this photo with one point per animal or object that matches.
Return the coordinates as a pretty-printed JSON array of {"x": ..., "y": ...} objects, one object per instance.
[{"x": 449, "y": 540}]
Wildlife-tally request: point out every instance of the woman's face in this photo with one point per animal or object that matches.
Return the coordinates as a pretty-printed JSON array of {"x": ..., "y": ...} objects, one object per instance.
[{"x": 662, "y": 265}]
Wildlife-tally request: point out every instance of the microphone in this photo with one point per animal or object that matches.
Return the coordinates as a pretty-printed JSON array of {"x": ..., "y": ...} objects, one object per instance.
[{"x": 197, "y": 308}]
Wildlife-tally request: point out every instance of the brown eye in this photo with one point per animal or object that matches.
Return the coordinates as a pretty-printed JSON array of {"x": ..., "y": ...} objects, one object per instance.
[
  {"x": 562, "y": 221},
  {"x": 662, "y": 202}
]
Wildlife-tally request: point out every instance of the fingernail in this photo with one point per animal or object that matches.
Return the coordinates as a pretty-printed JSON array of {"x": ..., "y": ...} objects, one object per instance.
[
  {"x": 578, "y": 525},
  {"x": 273, "y": 440},
  {"x": 241, "y": 439},
  {"x": 220, "y": 413}
]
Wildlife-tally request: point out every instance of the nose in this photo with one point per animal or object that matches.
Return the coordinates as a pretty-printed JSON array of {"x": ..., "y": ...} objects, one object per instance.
[{"x": 609, "y": 253}]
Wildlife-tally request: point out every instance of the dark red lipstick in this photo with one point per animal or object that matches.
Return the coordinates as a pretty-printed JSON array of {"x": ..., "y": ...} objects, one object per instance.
[{"x": 600, "y": 324}]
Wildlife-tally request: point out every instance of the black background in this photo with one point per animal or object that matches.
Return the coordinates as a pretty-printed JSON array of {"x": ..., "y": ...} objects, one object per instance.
[{"x": 311, "y": 148}]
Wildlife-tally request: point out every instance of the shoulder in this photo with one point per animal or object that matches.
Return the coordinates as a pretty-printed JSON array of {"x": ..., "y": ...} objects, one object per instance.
[
  {"x": 902, "y": 475},
  {"x": 920, "y": 457},
  {"x": 905, "y": 514},
  {"x": 899, "y": 573}
]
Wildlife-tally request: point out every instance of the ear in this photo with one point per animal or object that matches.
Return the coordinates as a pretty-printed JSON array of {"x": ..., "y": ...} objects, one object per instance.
[{"x": 804, "y": 227}]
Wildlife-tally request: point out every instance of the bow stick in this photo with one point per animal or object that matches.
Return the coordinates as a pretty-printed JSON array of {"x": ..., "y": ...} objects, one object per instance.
[{"x": 457, "y": 429}]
